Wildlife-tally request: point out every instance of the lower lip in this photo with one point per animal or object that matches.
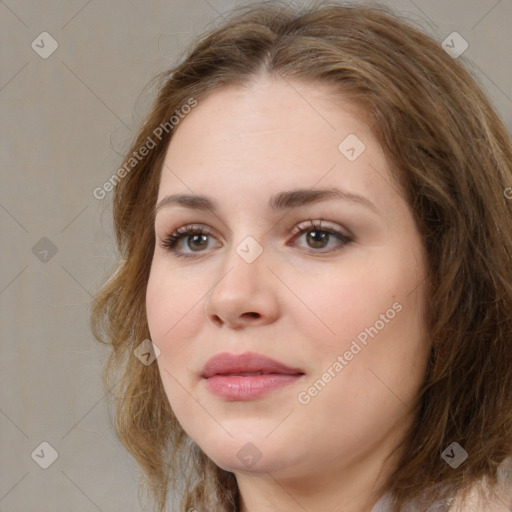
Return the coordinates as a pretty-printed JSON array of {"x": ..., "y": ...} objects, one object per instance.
[{"x": 237, "y": 387}]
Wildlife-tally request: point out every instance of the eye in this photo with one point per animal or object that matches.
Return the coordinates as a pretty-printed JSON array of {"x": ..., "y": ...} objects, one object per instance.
[
  {"x": 194, "y": 236},
  {"x": 318, "y": 237}
]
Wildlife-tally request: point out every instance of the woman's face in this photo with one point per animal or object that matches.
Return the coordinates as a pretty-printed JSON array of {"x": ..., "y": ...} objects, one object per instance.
[{"x": 338, "y": 305}]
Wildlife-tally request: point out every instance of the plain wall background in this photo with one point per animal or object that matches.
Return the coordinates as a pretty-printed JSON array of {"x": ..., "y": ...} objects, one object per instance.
[{"x": 66, "y": 119}]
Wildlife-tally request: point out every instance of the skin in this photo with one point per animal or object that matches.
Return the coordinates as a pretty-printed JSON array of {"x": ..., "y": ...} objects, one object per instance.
[{"x": 297, "y": 302}]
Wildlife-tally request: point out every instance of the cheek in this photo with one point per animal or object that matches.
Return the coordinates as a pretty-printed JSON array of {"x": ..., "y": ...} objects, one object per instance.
[
  {"x": 366, "y": 296},
  {"x": 174, "y": 313},
  {"x": 378, "y": 334},
  {"x": 174, "y": 310}
]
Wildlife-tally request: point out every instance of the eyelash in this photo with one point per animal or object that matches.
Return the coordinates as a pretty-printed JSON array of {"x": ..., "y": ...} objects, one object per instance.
[{"x": 170, "y": 241}]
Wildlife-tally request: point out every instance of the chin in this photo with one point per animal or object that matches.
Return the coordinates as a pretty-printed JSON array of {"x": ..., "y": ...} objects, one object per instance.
[
  {"x": 249, "y": 453},
  {"x": 234, "y": 465}
]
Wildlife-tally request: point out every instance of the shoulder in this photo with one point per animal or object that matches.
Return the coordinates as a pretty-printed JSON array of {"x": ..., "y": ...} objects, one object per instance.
[
  {"x": 480, "y": 499},
  {"x": 485, "y": 499}
]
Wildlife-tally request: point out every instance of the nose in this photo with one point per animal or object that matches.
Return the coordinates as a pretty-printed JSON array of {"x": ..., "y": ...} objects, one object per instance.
[{"x": 245, "y": 294}]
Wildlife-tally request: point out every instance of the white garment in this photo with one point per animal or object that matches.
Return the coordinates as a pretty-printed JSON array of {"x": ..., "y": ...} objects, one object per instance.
[
  {"x": 383, "y": 505},
  {"x": 502, "y": 503}
]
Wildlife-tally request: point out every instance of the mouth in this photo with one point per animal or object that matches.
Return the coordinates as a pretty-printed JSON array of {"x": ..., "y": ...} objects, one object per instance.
[
  {"x": 248, "y": 376},
  {"x": 246, "y": 364}
]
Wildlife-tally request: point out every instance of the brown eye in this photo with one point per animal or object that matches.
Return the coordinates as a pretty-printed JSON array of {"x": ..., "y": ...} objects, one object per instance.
[
  {"x": 197, "y": 242},
  {"x": 187, "y": 240},
  {"x": 317, "y": 239}
]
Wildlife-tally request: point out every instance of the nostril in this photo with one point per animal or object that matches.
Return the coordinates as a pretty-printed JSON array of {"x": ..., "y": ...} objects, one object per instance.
[
  {"x": 218, "y": 320},
  {"x": 252, "y": 315}
]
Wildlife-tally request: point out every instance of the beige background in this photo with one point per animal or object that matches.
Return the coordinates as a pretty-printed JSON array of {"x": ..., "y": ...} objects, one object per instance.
[{"x": 66, "y": 120}]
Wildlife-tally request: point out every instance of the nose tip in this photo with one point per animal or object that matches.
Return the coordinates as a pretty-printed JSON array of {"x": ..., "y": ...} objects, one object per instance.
[{"x": 243, "y": 297}]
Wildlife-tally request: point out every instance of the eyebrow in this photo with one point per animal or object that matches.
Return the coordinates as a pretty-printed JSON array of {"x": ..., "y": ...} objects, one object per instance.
[{"x": 281, "y": 201}]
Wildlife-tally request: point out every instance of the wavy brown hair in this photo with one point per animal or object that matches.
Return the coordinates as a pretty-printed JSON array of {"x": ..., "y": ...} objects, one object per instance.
[{"x": 452, "y": 157}]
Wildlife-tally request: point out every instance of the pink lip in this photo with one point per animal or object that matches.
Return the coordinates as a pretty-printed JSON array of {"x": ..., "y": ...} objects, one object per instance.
[{"x": 224, "y": 375}]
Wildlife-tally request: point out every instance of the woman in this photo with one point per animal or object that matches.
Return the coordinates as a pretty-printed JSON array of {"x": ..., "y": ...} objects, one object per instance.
[{"x": 316, "y": 238}]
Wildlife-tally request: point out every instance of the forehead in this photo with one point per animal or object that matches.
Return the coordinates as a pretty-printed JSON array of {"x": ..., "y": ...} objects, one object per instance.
[
  {"x": 270, "y": 107},
  {"x": 270, "y": 136}
]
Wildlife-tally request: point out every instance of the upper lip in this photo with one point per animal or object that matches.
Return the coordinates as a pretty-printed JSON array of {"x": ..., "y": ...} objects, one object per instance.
[{"x": 248, "y": 362}]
